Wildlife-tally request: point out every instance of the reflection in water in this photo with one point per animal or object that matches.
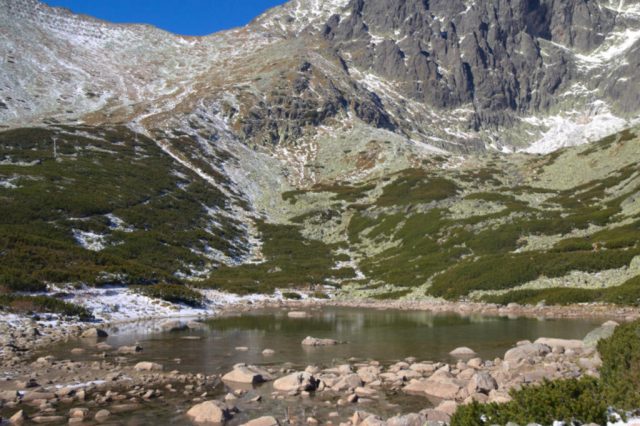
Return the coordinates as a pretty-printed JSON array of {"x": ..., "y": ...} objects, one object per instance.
[{"x": 383, "y": 335}]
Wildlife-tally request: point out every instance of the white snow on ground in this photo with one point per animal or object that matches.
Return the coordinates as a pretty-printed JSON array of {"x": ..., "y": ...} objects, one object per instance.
[
  {"x": 121, "y": 304},
  {"x": 118, "y": 224},
  {"x": 8, "y": 183},
  {"x": 616, "y": 45},
  {"x": 619, "y": 422},
  {"x": 575, "y": 130},
  {"x": 90, "y": 240}
]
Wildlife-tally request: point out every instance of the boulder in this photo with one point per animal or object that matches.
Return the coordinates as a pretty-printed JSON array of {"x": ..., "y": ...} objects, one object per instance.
[
  {"x": 561, "y": 343},
  {"x": 314, "y": 341},
  {"x": 173, "y": 325},
  {"x": 348, "y": 381},
  {"x": 47, "y": 419},
  {"x": 209, "y": 412},
  {"x": 268, "y": 352},
  {"x": 526, "y": 351},
  {"x": 369, "y": 373},
  {"x": 297, "y": 314},
  {"x": 262, "y": 421},
  {"x": 129, "y": 350},
  {"x": 247, "y": 374},
  {"x": 102, "y": 415},
  {"x": 78, "y": 412},
  {"x": 448, "y": 407},
  {"x": 362, "y": 392},
  {"x": 463, "y": 352},
  {"x": 148, "y": 366},
  {"x": 482, "y": 382},
  {"x": 300, "y": 381},
  {"x": 18, "y": 418},
  {"x": 94, "y": 333},
  {"x": 414, "y": 419},
  {"x": 440, "y": 385},
  {"x": 603, "y": 332}
]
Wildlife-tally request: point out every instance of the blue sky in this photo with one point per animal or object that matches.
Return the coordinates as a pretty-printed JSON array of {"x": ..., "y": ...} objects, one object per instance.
[{"x": 187, "y": 17}]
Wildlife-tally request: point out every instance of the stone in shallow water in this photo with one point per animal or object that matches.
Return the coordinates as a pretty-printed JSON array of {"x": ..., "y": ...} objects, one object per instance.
[
  {"x": 262, "y": 421},
  {"x": 314, "y": 341},
  {"x": 300, "y": 381},
  {"x": 463, "y": 351},
  {"x": 297, "y": 314},
  {"x": 148, "y": 366},
  {"x": 247, "y": 374},
  {"x": 208, "y": 412},
  {"x": 95, "y": 333}
]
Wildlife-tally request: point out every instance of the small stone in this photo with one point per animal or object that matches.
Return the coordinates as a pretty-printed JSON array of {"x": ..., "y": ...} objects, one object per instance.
[
  {"x": 463, "y": 351},
  {"x": 148, "y": 366},
  {"x": 268, "y": 352},
  {"x": 102, "y": 415},
  {"x": 314, "y": 341},
  {"x": 47, "y": 419},
  {"x": 262, "y": 421},
  {"x": 94, "y": 333}
]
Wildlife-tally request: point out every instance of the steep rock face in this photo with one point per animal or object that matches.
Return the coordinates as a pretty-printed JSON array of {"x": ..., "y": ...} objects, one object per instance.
[
  {"x": 311, "y": 77},
  {"x": 451, "y": 53}
]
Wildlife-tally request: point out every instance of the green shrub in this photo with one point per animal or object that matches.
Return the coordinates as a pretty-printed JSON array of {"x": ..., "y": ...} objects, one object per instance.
[
  {"x": 391, "y": 295},
  {"x": 320, "y": 295},
  {"x": 620, "y": 372},
  {"x": 508, "y": 271},
  {"x": 562, "y": 400},
  {"x": 627, "y": 293},
  {"x": 291, "y": 295},
  {"x": 173, "y": 293},
  {"x": 42, "y": 304},
  {"x": 414, "y": 186}
]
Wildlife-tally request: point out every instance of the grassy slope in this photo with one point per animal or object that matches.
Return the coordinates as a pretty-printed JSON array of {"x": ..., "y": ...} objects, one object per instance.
[
  {"x": 97, "y": 173},
  {"x": 490, "y": 229},
  {"x": 498, "y": 225}
]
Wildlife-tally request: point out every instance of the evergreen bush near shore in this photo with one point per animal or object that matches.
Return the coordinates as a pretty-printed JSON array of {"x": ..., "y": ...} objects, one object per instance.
[
  {"x": 585, "y": 400},
  {"x": 24, "y": 304},
  {"x": 173, "y": 293}
]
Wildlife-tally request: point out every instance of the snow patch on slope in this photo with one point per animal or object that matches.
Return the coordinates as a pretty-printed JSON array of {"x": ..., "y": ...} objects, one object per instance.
[
  {"x": 574, "y": 129},
  {"x": 90, "y": 240}
]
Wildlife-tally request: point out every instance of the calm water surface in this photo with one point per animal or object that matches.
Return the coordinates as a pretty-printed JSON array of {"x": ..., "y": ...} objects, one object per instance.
[{"x": 382, "y": 335}]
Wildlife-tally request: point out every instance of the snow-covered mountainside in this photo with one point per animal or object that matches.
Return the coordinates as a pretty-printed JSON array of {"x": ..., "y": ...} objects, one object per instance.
[
  {"x": 459, "y": 75},
  {"x": 326, "y": 141}
]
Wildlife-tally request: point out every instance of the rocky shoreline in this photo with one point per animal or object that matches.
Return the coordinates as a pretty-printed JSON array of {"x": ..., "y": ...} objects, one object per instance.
[{"x": 120, "y": 381}]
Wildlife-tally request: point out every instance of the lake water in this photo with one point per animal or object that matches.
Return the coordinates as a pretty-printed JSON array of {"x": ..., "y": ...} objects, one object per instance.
[{"x": 383, "y": 335}]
